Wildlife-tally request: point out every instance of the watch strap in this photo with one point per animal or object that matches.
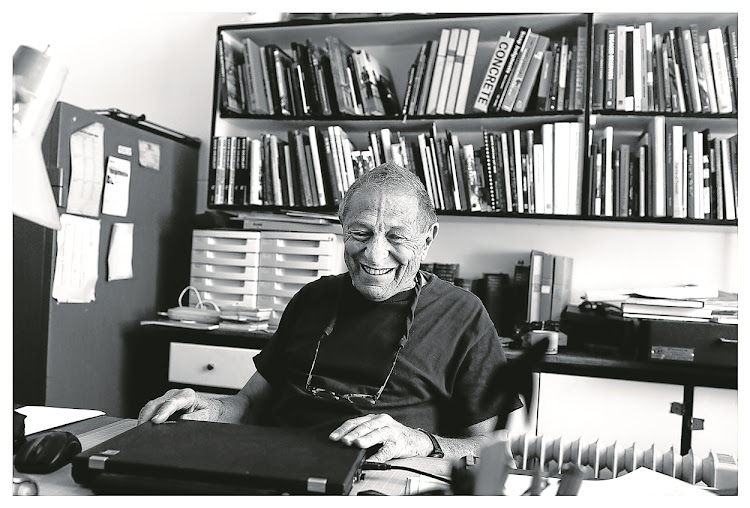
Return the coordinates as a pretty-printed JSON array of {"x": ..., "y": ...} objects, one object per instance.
[{"x": 437, "y": 451}]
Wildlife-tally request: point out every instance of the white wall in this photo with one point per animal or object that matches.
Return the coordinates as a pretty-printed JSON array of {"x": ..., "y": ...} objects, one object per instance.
[{"x": 161, "y": 64}]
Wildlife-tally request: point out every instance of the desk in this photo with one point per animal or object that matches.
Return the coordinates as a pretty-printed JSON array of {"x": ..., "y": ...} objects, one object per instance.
[{"x": 394, "y": 482}]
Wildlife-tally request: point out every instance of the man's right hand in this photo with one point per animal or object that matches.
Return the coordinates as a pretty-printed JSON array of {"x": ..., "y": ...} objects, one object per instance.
[{"x": 194, "y": 407}]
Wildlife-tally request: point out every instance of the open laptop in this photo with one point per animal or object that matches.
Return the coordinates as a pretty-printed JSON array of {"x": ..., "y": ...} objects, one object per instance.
[{"x": 190, "y": 457}]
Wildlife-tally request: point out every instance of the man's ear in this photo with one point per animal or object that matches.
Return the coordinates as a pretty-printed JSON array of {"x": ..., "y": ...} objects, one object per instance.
[{"x": 430, "y": 236}]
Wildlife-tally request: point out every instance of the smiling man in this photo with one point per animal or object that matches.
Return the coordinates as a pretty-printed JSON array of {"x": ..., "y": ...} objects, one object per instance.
[{"x": 382, "y": 355}]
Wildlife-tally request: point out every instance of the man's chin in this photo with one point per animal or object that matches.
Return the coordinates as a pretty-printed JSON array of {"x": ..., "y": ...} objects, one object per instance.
[{"x": 376, "y": 293}]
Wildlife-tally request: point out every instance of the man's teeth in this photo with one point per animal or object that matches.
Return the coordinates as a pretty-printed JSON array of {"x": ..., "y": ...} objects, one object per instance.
[{"x": 376, "y": 271}]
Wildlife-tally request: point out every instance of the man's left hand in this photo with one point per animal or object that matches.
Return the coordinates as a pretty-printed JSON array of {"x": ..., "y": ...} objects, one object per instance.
[{"x": 398, "y": 440}]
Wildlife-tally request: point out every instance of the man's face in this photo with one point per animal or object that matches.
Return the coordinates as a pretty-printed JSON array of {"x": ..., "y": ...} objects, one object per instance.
[{"x": 384, "y": 243}]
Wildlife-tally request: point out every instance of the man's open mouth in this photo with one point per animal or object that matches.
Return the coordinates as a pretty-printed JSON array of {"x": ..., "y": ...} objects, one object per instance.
[{"x": 375, "y": 271}]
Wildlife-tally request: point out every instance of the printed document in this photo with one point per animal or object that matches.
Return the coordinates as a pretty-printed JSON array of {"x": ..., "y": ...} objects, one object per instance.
[
  {"x": 120, "y": 258},
  {"x": 117, "y": 187},
  {"x": 86, "y": 170},
  {"x": 77, "y": 264}
]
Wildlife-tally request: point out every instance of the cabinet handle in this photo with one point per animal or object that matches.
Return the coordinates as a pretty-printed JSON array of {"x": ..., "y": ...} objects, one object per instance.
[
  {"x": 727, "y": 341},
  {"x": 210, "y": 366}
]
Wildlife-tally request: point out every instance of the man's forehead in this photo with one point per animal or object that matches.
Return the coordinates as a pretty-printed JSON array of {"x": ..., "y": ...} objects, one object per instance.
[{"x": 393, "y": 208}]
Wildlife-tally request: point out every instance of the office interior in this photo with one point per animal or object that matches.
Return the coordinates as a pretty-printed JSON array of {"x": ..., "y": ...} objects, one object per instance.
[{"x": 161, "y": 64}]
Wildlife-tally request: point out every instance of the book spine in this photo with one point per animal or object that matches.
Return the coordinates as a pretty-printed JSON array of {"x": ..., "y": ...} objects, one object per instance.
[
  {"x": 523, "y": 205},
  {"x": 419, "y": 78},
  {"x": 530, "y": 79},
  {"x": 493, "y": 73},
  {"x": 731, "y": 49},
  {"x": 509, "y": 174},
  {"x": 468, "y": 68},
  {"x": 545, "y": 76},
  {"x": 730, "y": 202},
  {"x": 458, "y": 66},
  {"x": 700, "y": 70},
  {"x": 519, "y": 71},
  {"x": 489, "y": 177},
  {"x": 599, "y": 66},
  {"x": 553, "y": 84},
  {"x": 497, "y": 94},
  {"x": 720, "y": 71},
  {"x": 231, "y": 171},
  {"x": 677, "y": 173},
  {"x": 581, "y": 58},
  {"x": 472, "y": 180},
  {"x": 437, "y": 71},
  {"x": 499, "y": 173},
  {"x": 317, "y": 165},
  {"x": 341, "y": 82},
  {"x": 706, "y": 58},
  {"x": 445, "y": 80}
]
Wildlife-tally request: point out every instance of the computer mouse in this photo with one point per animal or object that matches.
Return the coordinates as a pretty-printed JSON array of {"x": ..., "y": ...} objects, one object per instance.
[{"x": 47, "y": 452}]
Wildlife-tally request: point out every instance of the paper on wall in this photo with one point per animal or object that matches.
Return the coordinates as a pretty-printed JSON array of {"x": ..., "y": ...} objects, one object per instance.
[
  {"x": 120, "y": 257},
  {"x": 86, "y": 170},
  {"x": 116, "y": 187},
  {"x": 77, "y": 263}
]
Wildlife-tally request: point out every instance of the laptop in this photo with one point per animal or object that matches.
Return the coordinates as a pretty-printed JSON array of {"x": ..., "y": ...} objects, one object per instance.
[{"x": 190, "y": 457}]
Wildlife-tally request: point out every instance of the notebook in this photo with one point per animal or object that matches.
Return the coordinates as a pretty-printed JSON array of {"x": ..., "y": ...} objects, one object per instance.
[{"x": 190, "y": 457}]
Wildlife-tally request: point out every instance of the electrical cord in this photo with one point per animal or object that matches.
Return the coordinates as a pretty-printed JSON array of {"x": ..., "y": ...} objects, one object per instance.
[{"x": 382, "y": 466}]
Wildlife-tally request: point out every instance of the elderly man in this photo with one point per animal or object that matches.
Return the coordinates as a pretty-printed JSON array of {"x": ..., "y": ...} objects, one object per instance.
[{"x": 382, "y": 355}]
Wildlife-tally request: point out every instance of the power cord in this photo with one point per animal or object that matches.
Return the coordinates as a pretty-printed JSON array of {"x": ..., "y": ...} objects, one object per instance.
[{"x": 382, "y": 466}]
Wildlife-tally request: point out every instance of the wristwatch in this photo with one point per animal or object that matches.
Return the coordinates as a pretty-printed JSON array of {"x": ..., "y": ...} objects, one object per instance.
[{"x": 436, "y": 450}]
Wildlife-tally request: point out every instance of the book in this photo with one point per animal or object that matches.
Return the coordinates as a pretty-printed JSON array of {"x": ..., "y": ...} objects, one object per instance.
[
  {"x": 545, "y": 76},
  {"x": 505, "y": 76},
  {"x": 518, "y": 191},
  {"x": 474, "y": 188},
  {"x": 424, "y": 92},
  {"x": 720, "y": 70},
  {"x": 706, "y": 59},
  {"x": 610, "y": 92},
  {"x": 490, "y": 168},
  {"x": 231, "y": 58},
  {"x": 519, "y": 71},
  {"x": 563, "y": 74},
  {"x": 730, "y": 210},
  {"x": 445, "y": 80},
  {"x": 466, "y": 72},
  {"x": 548, "y": 144},
  {"x": 437, "y": 71},
  {"x": 419, "y": 77},
  {"x": 579, "y": 84},
  {"x": 700, "y": 70},
  {"x": 533, "y": 306},
  {"x": 339, "y": 53},
  {"x": 258, "y": 102},
  {"x": 561, "y": 167},
  {"x": 599, "y": 64},
  {"x": 493, "y": 73},
  {"x": 317, "y": 165},
  {"x": 412, "y": 87},
  {"x": 561, "y": 285},
  {"x": 545, "y": 288},
  {"x": 664, "y": 302},
  {"x": 455, "y": 79}
]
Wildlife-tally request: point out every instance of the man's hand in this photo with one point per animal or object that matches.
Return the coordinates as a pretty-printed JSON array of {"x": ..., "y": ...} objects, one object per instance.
[
  {"x": 195, "y": 407},
  {"x": 398, "y": 440}
]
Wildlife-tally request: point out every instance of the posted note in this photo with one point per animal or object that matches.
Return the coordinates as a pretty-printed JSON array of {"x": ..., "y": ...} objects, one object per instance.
[
  {"x": 120, "y": 257},
  {"x": 117, "y": 187},
  {"x": 77, "y": 264},
  {"x": 86, "y": 170}
]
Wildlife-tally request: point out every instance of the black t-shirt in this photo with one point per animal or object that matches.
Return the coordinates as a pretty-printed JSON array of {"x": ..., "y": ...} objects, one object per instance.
[{"x": 440, "y": 381}]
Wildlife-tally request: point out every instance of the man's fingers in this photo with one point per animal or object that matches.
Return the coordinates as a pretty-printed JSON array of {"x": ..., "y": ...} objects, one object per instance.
[
  {"x": 349, "y": 425},
  {"x": 172, "y": 402},
  {"x": 385, "y": 453}
]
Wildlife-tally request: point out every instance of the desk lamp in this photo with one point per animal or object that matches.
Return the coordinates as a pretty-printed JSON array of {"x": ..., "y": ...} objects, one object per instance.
[{"x": 37, "y": 82}]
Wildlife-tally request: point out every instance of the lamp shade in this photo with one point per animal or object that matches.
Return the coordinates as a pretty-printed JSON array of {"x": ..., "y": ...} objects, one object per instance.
[{"x": 37, "y": 82}]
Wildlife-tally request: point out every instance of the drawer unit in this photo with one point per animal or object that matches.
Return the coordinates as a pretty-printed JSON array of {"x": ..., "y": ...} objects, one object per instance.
[
  {"x": 301, "y": 243},
  {"x": 228, "y": 241},
  {"x": 215, "y": 366},
  {"x": 277, "y": 303},
  {"x": 230, "y": 272}
]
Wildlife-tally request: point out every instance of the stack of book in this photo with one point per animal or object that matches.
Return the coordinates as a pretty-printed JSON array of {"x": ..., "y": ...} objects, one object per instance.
[
  {"x": 532, "y": 72},
  {"x": 721, "y": 309},
  {"x": 440, "y": 77},
  {"x": 681, "y": 70},
  {"x": 549, "y": 286},
  {"x": 534, "y": 170},
  {"x": 312, "y": 80},
  {"x": 673, "y": 171}
]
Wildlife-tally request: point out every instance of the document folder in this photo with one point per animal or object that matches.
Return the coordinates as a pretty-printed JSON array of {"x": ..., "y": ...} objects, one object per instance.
[{"x": 190, "y": 457}]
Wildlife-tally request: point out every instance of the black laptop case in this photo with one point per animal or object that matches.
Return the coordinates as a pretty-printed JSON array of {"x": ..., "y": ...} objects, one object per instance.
[{"x": 190, "y": 457}]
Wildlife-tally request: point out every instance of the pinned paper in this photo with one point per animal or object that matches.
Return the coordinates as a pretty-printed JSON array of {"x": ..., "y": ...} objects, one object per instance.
[
  {"x": 86, "y": 170},
  {"x": 117, "y": 187},
  {"x": 120, "y": 258},
  {"x": 149, "y": 154},
  {"x": 77, "y": 264}
]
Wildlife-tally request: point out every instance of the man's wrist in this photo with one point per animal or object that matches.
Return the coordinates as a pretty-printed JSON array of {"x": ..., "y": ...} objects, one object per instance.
[{"x": 433, "y": 447}]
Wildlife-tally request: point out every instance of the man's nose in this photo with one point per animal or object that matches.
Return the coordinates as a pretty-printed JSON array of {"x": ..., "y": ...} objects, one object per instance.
[{"x": 377, "y": 248}]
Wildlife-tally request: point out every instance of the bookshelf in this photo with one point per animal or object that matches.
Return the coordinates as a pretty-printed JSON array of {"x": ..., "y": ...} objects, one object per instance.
[{"x": 395, "y": 42}]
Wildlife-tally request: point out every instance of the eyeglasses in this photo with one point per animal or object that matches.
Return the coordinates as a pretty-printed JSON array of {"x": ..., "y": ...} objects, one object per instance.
[{"x": 362, "y": 398}]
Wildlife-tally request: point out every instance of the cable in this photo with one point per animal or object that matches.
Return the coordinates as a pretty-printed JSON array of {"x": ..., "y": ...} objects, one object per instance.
[{"x": 382, "y": 466}]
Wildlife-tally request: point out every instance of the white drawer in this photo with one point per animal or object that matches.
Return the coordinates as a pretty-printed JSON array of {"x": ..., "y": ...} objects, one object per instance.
[
  {"x": 288, "y": 289},
  {"x": 298, "y": 275},
  {"x": 217, "y": 366},
  {"x": 272, "y": 302},
  {"x": 217, "y": 257},
  {"x": 226, "y": 244},
  {"x": 226, "y": 301},
  {"x": 240, "y": 287},
  {"x": 308, "y": 261},
  {"x": 224, "y": 271},
  {"x": 323, "y": 247}
]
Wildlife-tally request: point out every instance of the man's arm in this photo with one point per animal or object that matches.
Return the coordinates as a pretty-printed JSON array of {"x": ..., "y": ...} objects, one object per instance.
[
  {"x": 241, "y": 407},
  {"x": 401, "y": 441}
]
